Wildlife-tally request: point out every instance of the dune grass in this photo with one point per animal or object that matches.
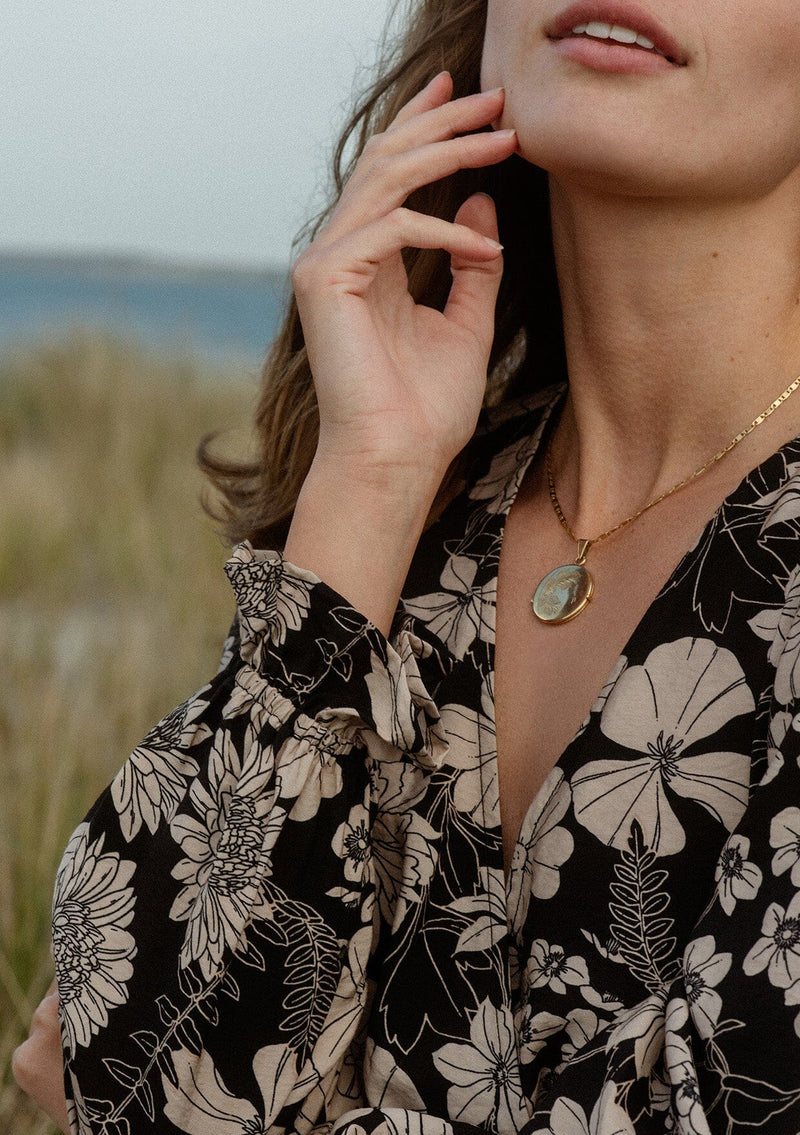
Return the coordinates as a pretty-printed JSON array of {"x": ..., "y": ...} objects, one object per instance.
[{"x": 113, "y": 606}]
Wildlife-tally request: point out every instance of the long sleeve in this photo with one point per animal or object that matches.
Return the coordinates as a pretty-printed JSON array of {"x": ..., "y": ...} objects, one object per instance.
[{"x": 215, "y": 913}]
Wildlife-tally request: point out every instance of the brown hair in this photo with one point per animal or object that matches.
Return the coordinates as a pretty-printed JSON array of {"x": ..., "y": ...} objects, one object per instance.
[{"x": 258, "y": 497}]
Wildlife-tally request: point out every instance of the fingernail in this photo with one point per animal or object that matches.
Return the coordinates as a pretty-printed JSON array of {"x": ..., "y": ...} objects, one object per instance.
[
  {"x": 435, "y": 77},
  {"x": 493, "y": 244},
  {"x": 493, "y": 91},
  {"x": 506, "y": 135}
]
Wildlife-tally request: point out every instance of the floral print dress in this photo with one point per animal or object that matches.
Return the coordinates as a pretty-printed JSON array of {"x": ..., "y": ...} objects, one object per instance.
[{"x": 288, "y": 912}]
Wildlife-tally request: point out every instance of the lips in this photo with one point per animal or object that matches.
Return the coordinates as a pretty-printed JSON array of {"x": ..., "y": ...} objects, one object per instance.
[{"x": 622, "y": 14}]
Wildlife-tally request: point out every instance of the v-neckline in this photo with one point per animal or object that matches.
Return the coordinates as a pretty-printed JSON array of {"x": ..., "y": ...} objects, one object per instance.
[{"x": 507, "y": 493}]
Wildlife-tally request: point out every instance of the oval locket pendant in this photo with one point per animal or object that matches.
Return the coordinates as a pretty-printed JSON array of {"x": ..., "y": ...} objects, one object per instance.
[{"x": 565, "y": 591}]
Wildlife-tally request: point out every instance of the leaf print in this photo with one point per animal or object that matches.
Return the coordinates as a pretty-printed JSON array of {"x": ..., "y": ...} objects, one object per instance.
[
  {"x": 784, "y": 835},
  {"x": 389, "y": 1085},
  {"x": 778, "y": 950},
  {"x": 542, "y": 849},
  {"x": 151, "y": 784},
  {"x": 737, "y": 878},
  {"x": 781, "y": 628},
  {"x": 462, "y": 612},
  {"x": 567, "y": 1117},
  {"x": 227, "y": 847},
  {"x": 484, "y": 1073},
  {"x": 685, "y": 692},
  {"x": 549, "y": 965},
  {"x": 639, "y": 921},
  {"x": 93, "y": 950},
  {"x": 703, "y": 969}
]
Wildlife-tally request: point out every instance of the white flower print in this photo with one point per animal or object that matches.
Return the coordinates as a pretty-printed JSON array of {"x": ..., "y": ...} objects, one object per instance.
[
  {"x": 93, "y": 950},
  {"x": 473, "y": 752},
  {"x": 542, "y": 849},
  {"x": 686, "y": 691},
  {"x": 688, "y": 1110},
  {"x": 351, "y": 842},
  {"x": 486, "y": 913},
  {"x": 386, "y": 1084},
  {"x": 780, "y": 627},
  {"x": 737, "y": 877},
  {"x": 396, "y": 786},
  {"x": 485, "y": 1073},
  {"x": 582, "y": 1026},
  {"x": 227, "y": 846},
  {"x": 643, "y": 1024},
  {"x": 549, "y": 965},
  {"x": 784, "y": 834},
  {"x": 200, "y": 1103},
  {"x": 151, "y": 784},
  {"x": 500, "y": 485},
  {"x": 779, "y": 948},
  {"x": 272, "y": 595},
  {"x": 253, "y": 695},
  {"x": 703, "y": 969},
  {"x": 404, "y": 855},
  {"x": 534, "y": 1030},
  {"x": 309, "y": 768},
  {"x": 778, "y": 729},
  {"x": 567, "y": 1117},
  {"x": 783, "y": 502},
  {"x": 461, "y": 612}
]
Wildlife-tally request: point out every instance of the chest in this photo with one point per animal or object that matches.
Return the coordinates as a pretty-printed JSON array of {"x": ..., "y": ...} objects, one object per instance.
[{"x": 548, "y": 677}]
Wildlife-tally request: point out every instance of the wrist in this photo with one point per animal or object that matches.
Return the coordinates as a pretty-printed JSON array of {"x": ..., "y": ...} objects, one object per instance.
[{"x": 357, "y": 530}]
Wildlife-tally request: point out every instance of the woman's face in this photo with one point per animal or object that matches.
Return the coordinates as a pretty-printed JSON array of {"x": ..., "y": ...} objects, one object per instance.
[{"x": 715, "y": 113}]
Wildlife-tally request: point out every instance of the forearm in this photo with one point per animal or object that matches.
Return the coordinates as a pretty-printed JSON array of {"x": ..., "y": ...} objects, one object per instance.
[{"x": 357, "y": 531}]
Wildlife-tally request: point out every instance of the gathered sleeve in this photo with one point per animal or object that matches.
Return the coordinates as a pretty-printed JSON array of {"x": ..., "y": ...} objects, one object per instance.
[{"x": 214, "y": 914}]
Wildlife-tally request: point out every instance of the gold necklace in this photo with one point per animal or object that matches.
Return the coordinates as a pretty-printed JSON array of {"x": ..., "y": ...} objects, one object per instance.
[{"x": 564, "y": 592}]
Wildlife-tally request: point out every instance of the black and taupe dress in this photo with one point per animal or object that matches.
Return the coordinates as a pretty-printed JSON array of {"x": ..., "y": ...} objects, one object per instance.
[{"x": 288, "y": 912}]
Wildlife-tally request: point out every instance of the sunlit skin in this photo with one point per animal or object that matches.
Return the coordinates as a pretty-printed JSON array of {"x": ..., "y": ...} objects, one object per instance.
[{"x": 676, "y": 211}]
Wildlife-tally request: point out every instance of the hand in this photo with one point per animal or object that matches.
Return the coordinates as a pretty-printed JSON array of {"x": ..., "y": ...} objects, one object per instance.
[
  {"x": 400, "y": 385},
  {"x": 38, "y": 1064}
]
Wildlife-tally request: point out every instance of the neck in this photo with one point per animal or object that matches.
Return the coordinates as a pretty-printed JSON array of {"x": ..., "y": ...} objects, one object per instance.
[{"x": 682, "y": 323}]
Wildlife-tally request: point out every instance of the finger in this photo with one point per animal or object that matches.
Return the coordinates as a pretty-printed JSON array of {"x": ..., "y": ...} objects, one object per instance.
[
  {"x": 438, "y": 91},
  {"x": 391, "y": 181},
  {"x": 473, "y": 295},
  {"x": 446, "y": 121},
  {"x": 349, "y": 265}
]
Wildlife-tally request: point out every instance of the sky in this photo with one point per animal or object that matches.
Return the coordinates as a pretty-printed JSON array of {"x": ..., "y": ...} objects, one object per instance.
[{"x": 183, "y": 129}]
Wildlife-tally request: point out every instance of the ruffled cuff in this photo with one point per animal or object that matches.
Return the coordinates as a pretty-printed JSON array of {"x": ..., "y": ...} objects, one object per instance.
[{"x": 332, "y": 662}]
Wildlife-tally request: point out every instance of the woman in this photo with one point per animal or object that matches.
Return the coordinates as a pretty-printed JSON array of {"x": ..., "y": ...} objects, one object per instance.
[{"x": 311, "y": 900}]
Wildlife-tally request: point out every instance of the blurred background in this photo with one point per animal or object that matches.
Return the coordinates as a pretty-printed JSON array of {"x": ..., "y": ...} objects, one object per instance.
[{"x": 156, "y": 161}]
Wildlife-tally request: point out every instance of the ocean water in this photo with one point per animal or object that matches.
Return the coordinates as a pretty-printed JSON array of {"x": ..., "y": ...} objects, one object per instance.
[{"x": 222, "y": 315}]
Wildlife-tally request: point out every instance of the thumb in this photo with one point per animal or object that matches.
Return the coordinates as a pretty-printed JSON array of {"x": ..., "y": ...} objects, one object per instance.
[{"x": 473, "y": 294}]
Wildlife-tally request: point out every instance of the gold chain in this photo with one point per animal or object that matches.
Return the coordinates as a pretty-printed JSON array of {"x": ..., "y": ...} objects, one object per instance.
[{"x": 651, "y": 504}]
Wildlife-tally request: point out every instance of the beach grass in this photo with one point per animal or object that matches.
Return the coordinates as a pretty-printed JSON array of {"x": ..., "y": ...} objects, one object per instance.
[{"x": 113, "y": 605}]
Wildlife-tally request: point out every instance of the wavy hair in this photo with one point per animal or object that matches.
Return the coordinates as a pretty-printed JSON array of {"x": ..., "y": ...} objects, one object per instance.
[{"x": 258, "y": 496}]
